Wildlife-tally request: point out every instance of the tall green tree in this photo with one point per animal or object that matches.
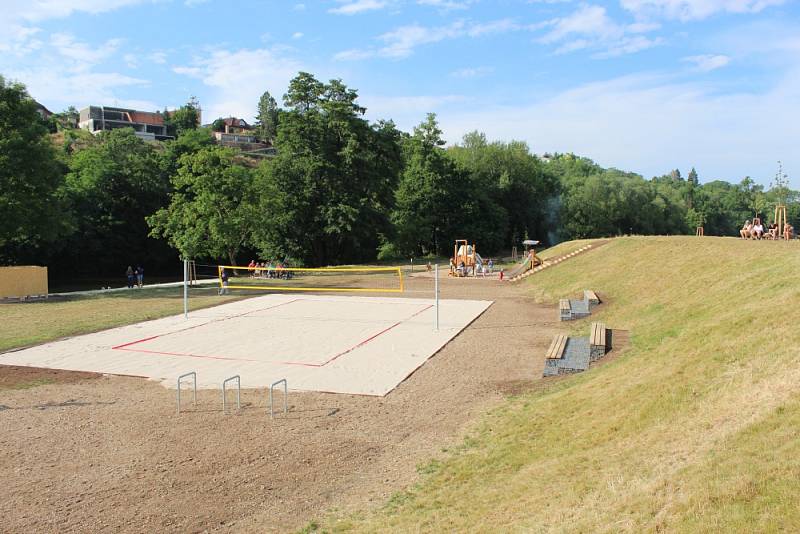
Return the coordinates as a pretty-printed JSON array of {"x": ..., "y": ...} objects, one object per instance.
[
  {"x": 31, "y": 205},
  {"x": 435, "y": 197},
  {"x": 211, "y": 210},
  {"x": 267, "y": 117},
  {"x": 113, "y": 185},
  {"x": 516, "y": 182},
  {"x": 183, "y": 119},
  {"x": 326, "y": 196}
]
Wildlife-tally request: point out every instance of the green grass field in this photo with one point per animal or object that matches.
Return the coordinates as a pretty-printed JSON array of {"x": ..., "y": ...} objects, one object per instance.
[
  {"x": 692, "y": 429},
  {"x": 28, "y": 323}
]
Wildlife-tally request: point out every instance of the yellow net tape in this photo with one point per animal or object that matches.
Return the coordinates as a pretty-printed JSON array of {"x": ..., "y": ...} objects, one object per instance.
[{"x": 344, "y": 279}]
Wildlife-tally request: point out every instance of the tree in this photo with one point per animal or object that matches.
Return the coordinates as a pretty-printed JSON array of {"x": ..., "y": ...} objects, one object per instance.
[
  {"x": 433, "y": 199},
  {"x": 692, "y": 179},
  {"x": 113, "y": 185},
  {"x": 304, "y": 93},
  {"x": 211, "y": 211},
  {"x": 32, "y": 209},
  {"x": 513, "y": 185},
  {"x": 267, "y": 117},
  {"x": 218, "y": 125},
  {"x": 326, "y": 196},
  {"x": 183, "y": 119}
]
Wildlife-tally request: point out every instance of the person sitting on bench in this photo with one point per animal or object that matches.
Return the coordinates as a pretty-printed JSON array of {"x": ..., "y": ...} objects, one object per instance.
[
  {"x": 745, "y": 231},
  {"x": 757, "y": 232},
  {"x": 772, "y": 232}
]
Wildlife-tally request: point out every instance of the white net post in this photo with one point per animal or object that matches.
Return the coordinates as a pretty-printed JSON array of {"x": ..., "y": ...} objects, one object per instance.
[
  {"x": 185, "y": 289},
  {"x": 436, "y": 292}
]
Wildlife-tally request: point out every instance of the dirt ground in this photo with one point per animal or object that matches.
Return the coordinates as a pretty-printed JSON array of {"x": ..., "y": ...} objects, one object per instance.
[{"x": 111, "y": 454}]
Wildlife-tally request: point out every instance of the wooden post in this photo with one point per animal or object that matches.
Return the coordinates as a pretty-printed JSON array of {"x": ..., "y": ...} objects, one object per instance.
[
  {"x": 780, "y": 218},
  {"x": 699, "y": 232}
]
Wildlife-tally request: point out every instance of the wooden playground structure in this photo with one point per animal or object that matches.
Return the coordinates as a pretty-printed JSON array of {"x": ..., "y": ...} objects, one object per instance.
[{"x": 465, "y": 260}]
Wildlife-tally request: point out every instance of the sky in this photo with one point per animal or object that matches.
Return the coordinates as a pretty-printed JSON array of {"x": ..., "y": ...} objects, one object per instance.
[{"x": 641, "y": 85}]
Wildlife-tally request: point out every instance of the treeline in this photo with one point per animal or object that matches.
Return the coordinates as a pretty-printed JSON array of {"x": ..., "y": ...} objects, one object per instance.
[{"x": 339, "y": 190}]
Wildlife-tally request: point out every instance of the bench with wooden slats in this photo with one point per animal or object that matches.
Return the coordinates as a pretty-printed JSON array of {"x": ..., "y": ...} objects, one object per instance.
[
  {"x": 591, "y": 298},
  {"x": 597, "y": 341},
  {"x": 557, "y": 346},
  {"x": 564, "y": 310}
]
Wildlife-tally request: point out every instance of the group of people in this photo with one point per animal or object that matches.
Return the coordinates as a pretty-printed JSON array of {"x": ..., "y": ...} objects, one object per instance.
[
  {"x": 135, "y": 276},
  {"x": 268, "y": 270},
  {"x": 481, "y": 268},
  {"x": 755, "y": 230}
]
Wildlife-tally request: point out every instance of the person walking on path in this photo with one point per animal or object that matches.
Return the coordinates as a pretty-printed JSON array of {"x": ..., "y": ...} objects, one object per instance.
[
  {"x": 140, "y": 276},
  {"x": 129, "y": 274}
]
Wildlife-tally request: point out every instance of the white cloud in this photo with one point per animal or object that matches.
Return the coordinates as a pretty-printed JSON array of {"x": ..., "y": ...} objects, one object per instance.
[
  {"x": 495, "y": 26},
  {"x": 81, "y": 52},
  {"x": 445, "y": 5},
  {"x": 131, "y": 60},
  {"x": 238, "y": 78},
  {"x": 590, "y": 27},
  {"x": 37, "y": 10},
  {"x": 472, "y": 72},
  {"x": 586, "y": 21},
  {"x": 708, "y": 62},
  {"x": 694, "y": 9},
  {"x": 409, "y": 111},
  {"x": 644, "y": 122},
  {"x": 353, "y": 54},
  {"x": 353, "y": 7},
  {"x": 49, "y": 81},
  {"x": 19, "y": 16},
  {"x": 401, "y": 42},
  {"x": 297, "y": 35},
  {"x": 299, "y": 7},
  {"x": 158, "y": 57},
  {"x": 19, "y": 40},
  {"x": 193, "y": 3}
]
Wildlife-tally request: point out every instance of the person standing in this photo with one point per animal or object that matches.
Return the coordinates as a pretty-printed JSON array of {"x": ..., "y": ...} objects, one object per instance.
[
  {"x": 140, "y": 276},
  {"x": 223, "y": 276},
  {"x": 129, "y": 274}
]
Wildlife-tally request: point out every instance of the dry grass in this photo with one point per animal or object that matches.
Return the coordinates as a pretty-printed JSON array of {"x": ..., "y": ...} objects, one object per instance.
[
  {"x": 692, "y": 429},
  {"x": 28, "y": 323}
]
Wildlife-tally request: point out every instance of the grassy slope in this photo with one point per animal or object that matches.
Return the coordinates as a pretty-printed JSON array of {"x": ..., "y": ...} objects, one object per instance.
[
  {"x": 692, "y": 429},
  {"x": 562, "y": 248},
  {"x": 28, "y": 323}
]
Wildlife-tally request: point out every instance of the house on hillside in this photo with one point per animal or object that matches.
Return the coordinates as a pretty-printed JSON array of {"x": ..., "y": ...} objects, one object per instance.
[
  {"x": 43, "y": 112},
  {"x": 237, "y": 133},
  {"x": 147, "y": 125}
]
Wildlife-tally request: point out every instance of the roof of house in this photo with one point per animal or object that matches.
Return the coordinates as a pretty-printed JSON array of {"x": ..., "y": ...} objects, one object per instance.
[{"x": 233, "y": 121}]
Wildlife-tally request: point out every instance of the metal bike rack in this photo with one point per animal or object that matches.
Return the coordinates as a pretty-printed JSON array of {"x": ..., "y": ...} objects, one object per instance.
[
  {"x": 194, "y": 393},
  {"x": 285, "y": 397},
  {"x": 238, "y": 392}
]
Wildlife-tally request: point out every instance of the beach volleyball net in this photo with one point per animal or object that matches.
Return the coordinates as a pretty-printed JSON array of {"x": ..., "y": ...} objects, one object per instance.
[{"x": 327, "y": 279}]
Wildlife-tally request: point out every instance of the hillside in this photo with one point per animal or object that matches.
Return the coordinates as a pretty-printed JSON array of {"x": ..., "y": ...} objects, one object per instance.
[{"x": 693, "y": 428}]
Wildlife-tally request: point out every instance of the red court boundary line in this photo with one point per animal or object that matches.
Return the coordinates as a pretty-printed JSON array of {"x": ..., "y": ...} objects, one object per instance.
[
  {"x": 125, "y": 345},
  {"x": 302, "y": 364}
]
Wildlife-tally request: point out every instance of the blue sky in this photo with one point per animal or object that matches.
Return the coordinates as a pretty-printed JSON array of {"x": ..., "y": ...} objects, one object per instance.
[{"x": 642, "y": 85}]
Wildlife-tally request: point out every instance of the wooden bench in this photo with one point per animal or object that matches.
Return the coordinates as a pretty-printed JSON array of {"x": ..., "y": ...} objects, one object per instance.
[
  {"x": 591, "y": 298},
  {"x": 597, "y": 341},
  {"x": 557, "y": 346},
  {"x": 564, "y": 310}
]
